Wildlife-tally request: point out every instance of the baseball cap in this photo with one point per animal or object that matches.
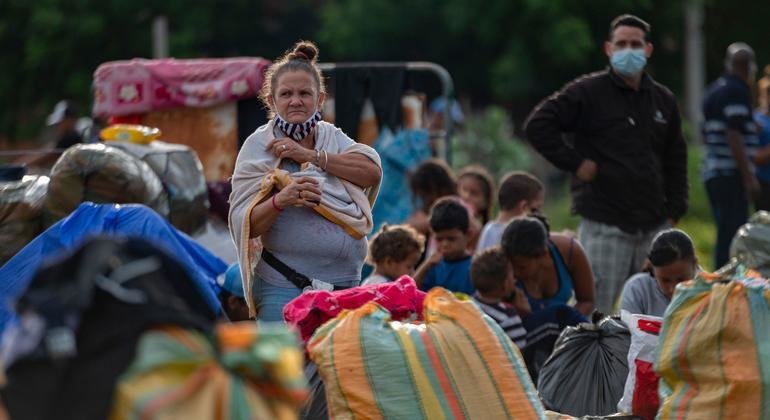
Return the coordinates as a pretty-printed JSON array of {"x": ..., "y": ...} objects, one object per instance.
[
  {"x": 231, "y": 280},
  {"x": 62, "y": 110}
]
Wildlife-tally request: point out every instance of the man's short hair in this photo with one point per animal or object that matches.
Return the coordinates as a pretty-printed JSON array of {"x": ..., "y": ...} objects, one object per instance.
[
  {"x": 449, "y": 213},
  {"x": 740, "y": 55},
  {"x": 518, "y": 186},
  {"x": 630, "y": 20},
  {"x": 489, "y": 270}
]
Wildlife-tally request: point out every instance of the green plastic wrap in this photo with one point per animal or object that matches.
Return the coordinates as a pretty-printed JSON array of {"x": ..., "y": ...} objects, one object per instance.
[
  {"x": 21, "y": 209},
  {"x": 181, "y": 173},
  {"x": 751, "y": 244},
  {"x": 101, "y": 174}
]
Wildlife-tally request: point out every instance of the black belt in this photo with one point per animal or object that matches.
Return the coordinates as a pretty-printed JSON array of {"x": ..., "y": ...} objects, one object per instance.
[{"x": 299, "y": 280}]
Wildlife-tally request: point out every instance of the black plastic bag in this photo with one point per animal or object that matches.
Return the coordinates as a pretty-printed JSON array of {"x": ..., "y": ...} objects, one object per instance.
[
  {"x": 543, "y": 330},
  {"x": 587, "y": 370}
]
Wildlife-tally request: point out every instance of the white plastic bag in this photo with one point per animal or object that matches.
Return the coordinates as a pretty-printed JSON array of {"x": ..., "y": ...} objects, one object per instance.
[{"x": 641, "y": 356}]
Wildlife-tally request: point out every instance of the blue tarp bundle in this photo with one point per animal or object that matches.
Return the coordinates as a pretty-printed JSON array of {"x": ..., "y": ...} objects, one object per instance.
[{"x": 126, "y": 220}]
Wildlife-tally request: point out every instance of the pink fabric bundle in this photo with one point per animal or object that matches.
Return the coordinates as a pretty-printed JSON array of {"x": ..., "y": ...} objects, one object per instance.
[
  {"x": 139, "y": 86},
  {"x": 312, "y": 309}
]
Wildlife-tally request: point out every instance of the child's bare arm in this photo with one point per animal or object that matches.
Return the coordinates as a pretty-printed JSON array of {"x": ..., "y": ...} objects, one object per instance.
[{"x": 422, "y": 270}]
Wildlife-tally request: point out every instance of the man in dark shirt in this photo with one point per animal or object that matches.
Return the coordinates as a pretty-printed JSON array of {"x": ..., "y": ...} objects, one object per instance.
[
  {"x": 64, "y": 118},
  {"x": 731, "y": 141},
  {"x": 626, "y": 152}
]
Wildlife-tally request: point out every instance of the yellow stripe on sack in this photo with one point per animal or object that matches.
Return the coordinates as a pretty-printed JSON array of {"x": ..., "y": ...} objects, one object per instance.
[
  {"x": 352, "y": 374},
  {"x": 464, "y": 363},
  {"x": 427, "y": 397},
  {"x": 487, "y": 355},
  {"x": 321, "y": 349},
  {"x": 494, "y": 355},
  {"x": 702, "y": 353},
  {"x": 668, "y": 365},
  {"x": 740, "y": 361}
]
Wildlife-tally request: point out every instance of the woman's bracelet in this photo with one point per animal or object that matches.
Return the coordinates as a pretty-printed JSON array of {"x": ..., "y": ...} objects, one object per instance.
[
  {"x": 317, "y": 158},
  {"x": 275, "y": 206},
  {"x": 326, "y": 160}
]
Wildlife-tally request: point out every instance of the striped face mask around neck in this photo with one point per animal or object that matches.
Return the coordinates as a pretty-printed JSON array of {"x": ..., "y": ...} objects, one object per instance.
[{"x": 297, "y": 131}]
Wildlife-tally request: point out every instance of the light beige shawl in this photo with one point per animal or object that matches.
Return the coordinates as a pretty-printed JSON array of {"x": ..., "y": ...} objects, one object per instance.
[{"x": 257, "y": 174}]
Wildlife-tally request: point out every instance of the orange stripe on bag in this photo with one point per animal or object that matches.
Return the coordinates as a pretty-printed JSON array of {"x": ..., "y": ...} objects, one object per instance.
[
  {"x": 739, "y": 361},
  {"x": 446, "y": 386},
  {"x": 356, "y": 387},
  {"x": 490, "y": 352},
  {"x": 683, "y": 366},
  {"x": 496, "y": 356}
]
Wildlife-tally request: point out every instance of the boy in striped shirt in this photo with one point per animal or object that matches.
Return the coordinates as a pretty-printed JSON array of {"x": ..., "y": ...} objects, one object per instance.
[{"x": 492, "y": 276}]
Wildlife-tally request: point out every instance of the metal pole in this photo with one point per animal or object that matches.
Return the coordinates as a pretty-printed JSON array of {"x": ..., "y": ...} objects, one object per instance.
[
  {"x": 695, "y": 77},
  {"x": 160, "y": 37}
]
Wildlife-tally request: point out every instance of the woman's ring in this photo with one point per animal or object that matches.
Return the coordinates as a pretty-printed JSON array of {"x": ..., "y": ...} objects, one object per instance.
[{"x": 283, "y": 147}]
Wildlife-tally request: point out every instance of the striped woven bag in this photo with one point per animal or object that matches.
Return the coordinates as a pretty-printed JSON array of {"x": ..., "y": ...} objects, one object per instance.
[
  {"x": 249, "y": 373},
  {"x": 457, "y": 364},
  {"x": 714, "y": 354}
]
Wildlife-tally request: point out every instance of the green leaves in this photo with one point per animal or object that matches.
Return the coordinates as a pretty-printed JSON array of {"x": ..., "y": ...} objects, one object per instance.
[
  {"x": 487, "y": 139},
  {"x": 509, "y": 52},
  {"x": 497, "y": 48}
]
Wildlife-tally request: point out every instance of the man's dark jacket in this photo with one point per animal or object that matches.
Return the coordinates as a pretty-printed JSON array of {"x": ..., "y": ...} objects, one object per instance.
[{"x": 634, "y": 137}]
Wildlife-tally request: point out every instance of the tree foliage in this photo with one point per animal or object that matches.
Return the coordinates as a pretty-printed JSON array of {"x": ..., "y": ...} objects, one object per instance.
[
  {"x": 49, "y": 49},
  {"x": 503, "y": 51},
  {"x": 508, "y": 52},
  {"x": 488, "y": 137}
]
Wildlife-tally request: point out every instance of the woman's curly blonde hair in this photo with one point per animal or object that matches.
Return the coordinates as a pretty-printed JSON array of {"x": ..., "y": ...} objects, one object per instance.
[{"x": 301, "y": 57}]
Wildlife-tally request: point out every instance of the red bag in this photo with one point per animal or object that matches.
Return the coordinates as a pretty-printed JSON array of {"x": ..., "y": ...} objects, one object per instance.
[
  {"x": 640, "y": 395},
  {"x": 646, "y": 402},
  {"x": 312, "y": 309}
]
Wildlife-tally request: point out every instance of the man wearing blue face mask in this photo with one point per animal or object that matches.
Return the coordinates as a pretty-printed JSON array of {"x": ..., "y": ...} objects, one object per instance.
[{"x": 625, "y": 149}]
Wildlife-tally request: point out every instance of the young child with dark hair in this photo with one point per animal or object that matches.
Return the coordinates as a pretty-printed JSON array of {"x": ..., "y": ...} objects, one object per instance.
[
  {"x": 492, "y": 276},
  {"x": 520, "y": 194},
  {"x": 449, "y": 266},
  {"x": 394, "y": 251},
  {"x": 476, "y": 187},
  {"x": 670, "y": 261},
  {"x": 430, "y": 181}
]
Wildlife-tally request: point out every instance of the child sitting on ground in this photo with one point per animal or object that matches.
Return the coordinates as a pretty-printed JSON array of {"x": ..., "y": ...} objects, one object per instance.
[
  {"x": 520, "y": 194},
  {"x": 670, "y": 261},
  {"x": 492, "y": 276},
  {"x": 394, "y": 251},
  {"x": 449, "y": 266}
]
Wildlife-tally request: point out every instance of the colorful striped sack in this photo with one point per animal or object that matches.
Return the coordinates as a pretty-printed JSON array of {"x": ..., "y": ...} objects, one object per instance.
[
  {"x": 714, "y": 354},
  {"x": 181, "y": 374},
  {"x": 458, "y": 364}
]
